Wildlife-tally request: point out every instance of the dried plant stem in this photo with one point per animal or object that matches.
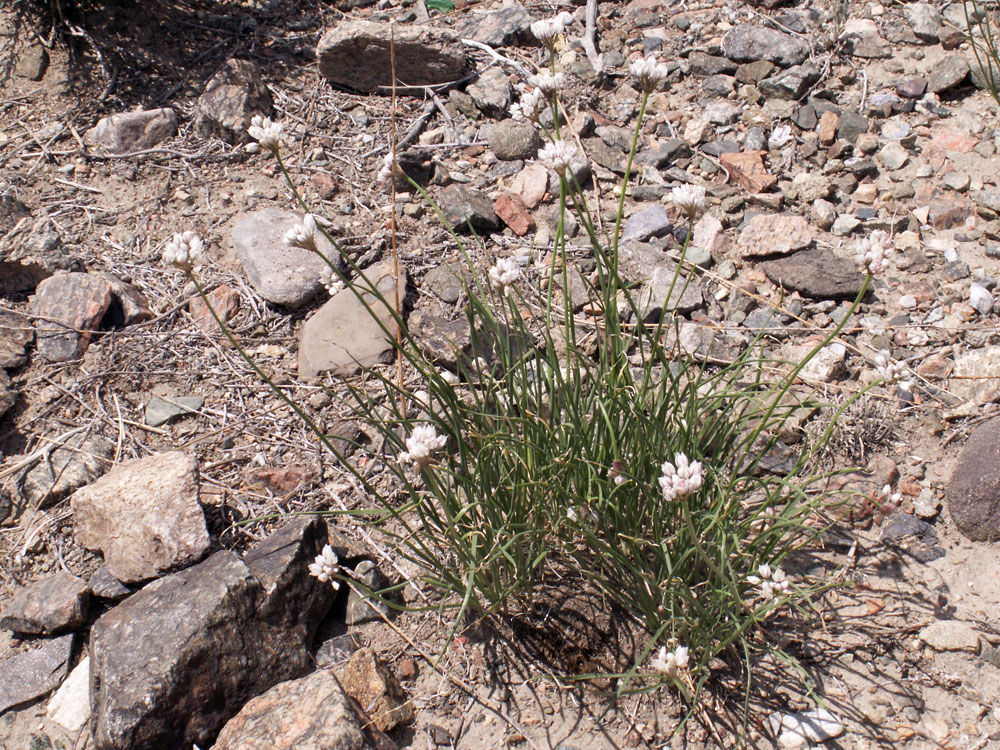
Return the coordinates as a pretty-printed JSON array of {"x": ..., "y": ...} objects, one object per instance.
[{"x": 392, "y": 220}]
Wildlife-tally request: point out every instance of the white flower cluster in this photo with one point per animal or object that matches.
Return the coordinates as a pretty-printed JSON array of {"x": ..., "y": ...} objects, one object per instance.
[
  {"x": 690, "y": 199},
  {"x": 681, "y": 478},
  {"x": 504, "y": 273},
  {"x": 557, "y": 156},
  {"x": 894, "y": 372},
  {"x": 184, "y": 251},
  {"x": 650, "y": 72},
  {"x": 529, "y": 106},
  {"x": 773, "y": 584},
  {"x": 331, "y": 280},
  {"x": 671, "y": 663},
  {"x": 871, "y": 252},
  {"x": 326, "y": 566},
  {"x": 548, "y": 82},
  {"x": 547, "y": 30},
  {"x": 423, "y": 441},
  {"x": 303, "y": 234},
  {"x": 266, "y": 132}
]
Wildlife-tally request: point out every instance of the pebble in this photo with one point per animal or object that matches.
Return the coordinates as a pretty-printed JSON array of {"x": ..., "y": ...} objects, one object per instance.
[{"x": 950, "y": 635}]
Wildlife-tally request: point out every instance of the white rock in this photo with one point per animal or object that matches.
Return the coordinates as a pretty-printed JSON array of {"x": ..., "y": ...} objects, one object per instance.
[
  {"x": 70, "y": 706},
  {"x": 950, "y": 635},
  {"x": 981, "y": 299},
  {"x": 797, "y": 730},
  {"x": 908, "y": 302}
]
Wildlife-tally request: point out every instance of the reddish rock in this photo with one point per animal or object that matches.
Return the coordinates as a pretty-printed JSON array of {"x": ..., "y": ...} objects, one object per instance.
[
  {"x": 944, "y": 210},
  {"x": 373, "y": 686},
  {"x": 513, "y": 213},
  {"x": 828, "y": 128},
  {"x": 57, "y": 602},
  {"x": 324, "y": 185},
  {"x": 530, "y": 185},
  {"x": 748, "y": 171},
  {"x": 949, "y": 140},
  {"x": 279, "y": 479},
  {"x": 68, "y": 309},
  {"x": 224, "y": 299}
]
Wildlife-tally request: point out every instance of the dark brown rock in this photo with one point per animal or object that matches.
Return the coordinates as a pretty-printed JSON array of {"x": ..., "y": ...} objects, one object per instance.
[
  {"x": 68, "y": 309},
  {"x": 463, "y": 206},
  {"x": 231, "y": 99},
  {"x": 31, "y": 674},
  {"x": 56, "y": 603},
  {"x": 816, "y": 273},
  {"x": 132, "y": 305},
  {"x": 443, "y": 340},
  {"x": 311, "y": 712},
  {"x": 366, "y": 679},
  {"x": 973, "y": 493},
  {"x": 105, "y": 586},
  {"x": 355, "y": 54}
]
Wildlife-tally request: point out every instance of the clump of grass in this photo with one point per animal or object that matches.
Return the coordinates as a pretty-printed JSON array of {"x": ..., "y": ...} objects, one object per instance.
[{"x": 636, "y": 465}]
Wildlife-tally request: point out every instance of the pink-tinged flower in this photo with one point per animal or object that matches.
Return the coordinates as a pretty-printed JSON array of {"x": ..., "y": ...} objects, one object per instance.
[
  {"x": 773, "y": 583},
  {"x": 681, "y": 478},
  {"x": 548, "y": 30},
  {"x": 266, "y": 132},
  {"x": 650, "y": 72},
  {"x": 546, "y": 81},
  {"x": 303, "y": 234},
  {"x": 871, "y": 252},
  {"x": 504, "y": 273},
  {"x": 671, "y": 663},
  {"x": 557, "y": 156},
  {"x": 184, "y": 251},
  {"x": 529, "y": 106},
  {"x": 690, "y": 199},
  {"x": 326, "y": 566}
]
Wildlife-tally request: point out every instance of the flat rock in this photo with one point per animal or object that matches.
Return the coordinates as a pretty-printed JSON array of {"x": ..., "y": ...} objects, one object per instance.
[
  {"x": 812, "y": 186},
  {"x": 312, "y": 712},
  {"x": 948, "y": 73},
  {"x": 703, "y": 64},
  {"x": 174, "y": 662},
  {"x": 748, "y": 171},
  {"x": 132, "y": 305},
  {"x": 28, "y": 257},
  {"x": 950, "y": 635},
  {"x": 144, "y": 516},
  {"x": 893, "y": 155},
  {"x": 126, "y": 132},
  {"x": 513, "y": 214},
  {"x": 105, "y": 586},
  {"x": 32, "y": 63},
  {"x": 973, "y": 493},
  {"x": 447, "y": 281},
  {"x": 774, "y": 234},
  {"x": 911, "y": 536},
  {"x": 748, "y": 43},
  {"x": 816, "y": 273},
  {"x": 361, "y": 607},
  {"x": 282, "y": 274},
  {"x": 497, "y": 27},
  {"x": 368, "y": 681},
  {"x": 491, "y": 92},
  {"x": 791, "y": 83},
  {"x": 805, "y": 728},
  {"x": 232, "y": 97},
  {"x": 343, "y": 337},
  {"x": 648, "y": 222},
  {"x": 69, "y": 707},
  {"x": 464, "y": 207},
  {"x": 443, "y": 340},
  {"x": 78, "y": 462},
  {"x": 69, "y": 308},
  {"x": 511, "y": 140},
  {"x": 860, "y": 38},
  {"x": 530, "y": 185},
  {"x": 684, "y": 293},
  {"x": 31, "y": 674},
  {"x": 162, "y": 410},
  {"x": 976, "y": 376},
  {"x": 355, "y": 54},
  {"x": 56, "y": 603}
]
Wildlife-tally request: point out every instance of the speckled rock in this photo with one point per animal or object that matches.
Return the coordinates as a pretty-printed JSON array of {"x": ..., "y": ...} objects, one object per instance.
[
  {"x": 232, "y": 97},
  {"x": 973, "y": 494},
  {"x": 132, "y": 131}
]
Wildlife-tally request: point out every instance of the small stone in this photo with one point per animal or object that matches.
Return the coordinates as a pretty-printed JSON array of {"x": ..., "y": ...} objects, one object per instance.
[
  {"x": 949, "y": 140},
  {"x": 649, "y": 222},
  {"x": 957, "y": 181},
  {"x": 893, "y": 155},
  {"x": 845, "y": 225},
  {"x": 355, "y": 54},
  {"x": 977, "y": 375},
  {"x": 360, "y": 607},
  {"x": 514, "y": 214},
  {"x": 824, "y": 214},
  {"x": 32, "y": 63},
  {"x": 685, "y": 294},
  {"x": 702, "y": 64},
  {"x": 81, "y": 460},
  {"x": 801, "y": 729},
  {"x": 447, "y": 281},
  {"x": 69, "y": 707},
  {"x": 866, "y": 192},
  {"x": 950, "y": 635},
  {"x": 816, "y": 273},
  {"x": 464, "y": 207},
  {"x": 127, "y": 132},
  {"x": 860, "y": 38},
  {"x": 105, "y": 586},
  {"x": 722, "y": 113},
  {"x": 530, "y": 185},
  {"x": 375, "y": 688},
  {"x": 948, "y": 73},
  {"x": 231, "y": 99},
  {"x": 791, "y": 83},
  {"x": 747, "y": 43},
  {"x": 748, "y": 171},
  {"x": 491, "y": 92},
  {"x": 56, "y": 603},
  {"x": 144, "y": 516},
  {"x": 31, "y": 674},
  {"x": 754, "y": 72},
  {"x": 812, "y": 186},
  {"x": 69, "y": 307},
  {"x": 773, "y": 234},
  {"x": 162, "y": 410},
  {"x": 828, "y": 127},
  {"x": 226, "y": 302},
  {"x": 925, "y": 20},
  {"x": 973, "y": 493}
]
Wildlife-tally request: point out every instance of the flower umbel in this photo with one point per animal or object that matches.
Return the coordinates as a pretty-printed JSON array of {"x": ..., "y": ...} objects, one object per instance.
[
  {"x": 650, "y": 72},
  {"x": 331, "y": 280},
  {"x": 671, "y": 663},
  {"x": 529, "y": 106},
  {"x": 773, "y": 584},
  {"x": 183, "y": 251},
  {"x": 326, "y": 566},
  {"x": 690, "y": 199},
  {"x": 504, "y": 273},
  {"x": 871, "y": 252},
  {"x": 266, "y": 132},
  {"x": 681, "y": 478},
  {"x": 303, "y": 234},
  {"x": 557, "y": 156},
  {"x": 547, "y": 30},
  {"x": 894, "y": 372},
  {"x": 423, "y": 441},
  {"x": 547, "y": 82}
]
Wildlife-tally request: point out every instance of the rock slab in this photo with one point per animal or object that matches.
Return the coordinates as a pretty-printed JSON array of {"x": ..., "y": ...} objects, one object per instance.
[
  {"x": 355, "y": 54},
  {"x": 144, "y": 516},
  {"x": 30, "y": 674},
  {"x": 366, "y": 679},
  {"x": 973, "y": 493},
  {"x": 231, "y": 99},
  {"x": 57, "y": 602},
  {"x": 69, "y": 308},
  {"x": 816, "y": 273},
  {"x": 126, "y": 132},
  {"x": 748, "y": 43},
  {"x": 70, "y": 706},
  {"x": 774, "y": 234}
]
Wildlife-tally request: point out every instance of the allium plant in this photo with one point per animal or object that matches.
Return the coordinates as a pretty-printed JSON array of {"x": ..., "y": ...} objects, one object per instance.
[{"x": 636, "y": 466}]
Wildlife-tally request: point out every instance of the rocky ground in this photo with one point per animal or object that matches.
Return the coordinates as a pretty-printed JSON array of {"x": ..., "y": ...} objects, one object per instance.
[{"x": 136, "y": 613}]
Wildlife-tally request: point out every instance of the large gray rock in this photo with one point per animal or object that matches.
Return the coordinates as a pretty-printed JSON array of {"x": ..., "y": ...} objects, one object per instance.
[
  {"x": 69, "y": 308},
  {"x": 57, "y": 602},
  {"x": 973, "y": 493},
  {"x": 816, "y": 273},
  {"x": 282, "y": 274},
  {"x": 173, "y": 663},
  {"x": 925, "y": 20},
  {"x": 144, "y": 516},
  {"x": 497, "y": 27},
  {"x": 230, "y": 100},
  {"x": 30, "y": 674},
  {"x": 748, "y": 43},
  {"x": 343, "y": 337},
  {"x": 646, "y": 223},
  {"x": 311, "y": 712},
  {"x": 463, "y": 207},
  {"x": 126, "y": 132},
  {"x": 355, "y": 54}
]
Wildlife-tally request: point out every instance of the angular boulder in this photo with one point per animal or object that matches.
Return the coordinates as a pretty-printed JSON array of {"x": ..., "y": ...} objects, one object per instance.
[
  {"x": 69, "y": 308},
  {"x": 231, "y": 99},
  {"x": 57, "y": 602}
]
